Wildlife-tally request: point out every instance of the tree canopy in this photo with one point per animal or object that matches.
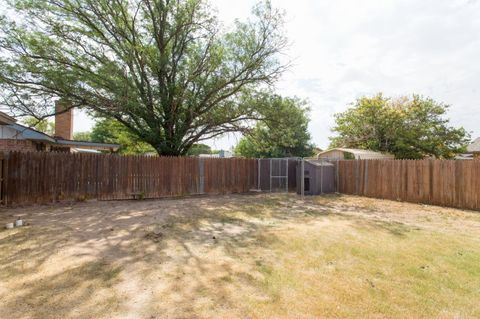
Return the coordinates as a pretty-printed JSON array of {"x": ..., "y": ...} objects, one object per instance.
[
  {"x": 165, "y": 69},
  {"x": 112, "y": 131},
  {"x": 43, "y": 125},
  {"x": 284, "y": 134},
  {"x": 409, "y": 127},
  {"x": 82, "y": 136},
  {"x": 198, "y": 149}
]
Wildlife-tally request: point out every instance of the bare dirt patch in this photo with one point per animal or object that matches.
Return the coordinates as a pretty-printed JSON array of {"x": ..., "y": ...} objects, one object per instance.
[{"x": 245, "y": 256}]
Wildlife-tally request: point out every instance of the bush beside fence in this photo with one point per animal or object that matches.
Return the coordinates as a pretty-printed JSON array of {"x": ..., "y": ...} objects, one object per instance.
[
  {"x": 436, "y": 182},
  {"x": 48, "y": 177}
]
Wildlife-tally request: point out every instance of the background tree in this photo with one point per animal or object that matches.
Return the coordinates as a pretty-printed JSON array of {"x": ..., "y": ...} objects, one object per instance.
[
  {"x": 43, "y": 126},
  {"x": 165, "y": 70},
  {"x": 284, "y": 134},
  {"x": 82, "y": 136},
  {"x": 410, "y": 128},
  {"x": 112, "y": 131},
  {"x": 198, "y": 149}
]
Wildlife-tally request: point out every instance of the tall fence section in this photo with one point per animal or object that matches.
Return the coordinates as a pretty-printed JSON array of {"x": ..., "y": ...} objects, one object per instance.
[
  {"x": 27, "y": 178},
  {"x": 277, "y": 174},
  {"x": 48, "y": 177},
  {"x": 2, "y": 180},
  {"x": 436, "y": 182}
]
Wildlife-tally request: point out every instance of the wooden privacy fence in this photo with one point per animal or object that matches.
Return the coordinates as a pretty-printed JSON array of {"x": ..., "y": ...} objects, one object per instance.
[
  {"x": 436, "y": 182},
  {"x": 2, "y": 181},
  {"x": 47, "y": 177},
  {"x": 27, "y": 178}
]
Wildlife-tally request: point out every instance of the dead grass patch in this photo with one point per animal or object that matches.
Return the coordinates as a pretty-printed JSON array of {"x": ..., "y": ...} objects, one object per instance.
[{"x": 263, "y": 256}]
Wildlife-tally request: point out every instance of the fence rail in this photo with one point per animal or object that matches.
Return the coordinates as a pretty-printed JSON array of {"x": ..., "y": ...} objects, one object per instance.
[
  {"x": 436, "y": 182},
  {"x": 36, "y": 177},
  {"x": 48, "y": 177}
]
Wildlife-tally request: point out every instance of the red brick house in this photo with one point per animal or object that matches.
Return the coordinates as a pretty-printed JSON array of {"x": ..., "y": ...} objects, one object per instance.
[{"x": 16, "y": 137}]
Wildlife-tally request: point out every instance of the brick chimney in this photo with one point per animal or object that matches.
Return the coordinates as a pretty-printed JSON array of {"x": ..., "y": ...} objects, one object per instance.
[{"x": 63, "y": 121}]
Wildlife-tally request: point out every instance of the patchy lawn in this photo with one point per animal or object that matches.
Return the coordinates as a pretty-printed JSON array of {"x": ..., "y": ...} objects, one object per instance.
[{"x": 251, "y": 256}]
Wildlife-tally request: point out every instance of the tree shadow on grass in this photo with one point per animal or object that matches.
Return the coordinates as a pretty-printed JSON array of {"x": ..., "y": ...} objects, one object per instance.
[
  {"x": 170, "y": 258},
  {"x": 68, "y": 293},
  {"x": 72, "y": 261},
  {"x": 397, "y": 229}
]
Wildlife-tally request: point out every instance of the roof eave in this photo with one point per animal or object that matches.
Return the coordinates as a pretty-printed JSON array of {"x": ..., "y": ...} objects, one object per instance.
[
  {"x": 88, "y": 145},
  {"x": 359, "y": 153},
  {"x": 6, "y": 119}
]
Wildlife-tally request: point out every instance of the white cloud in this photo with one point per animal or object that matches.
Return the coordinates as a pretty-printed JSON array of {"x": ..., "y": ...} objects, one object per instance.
[{"x": 347, "y": 48}]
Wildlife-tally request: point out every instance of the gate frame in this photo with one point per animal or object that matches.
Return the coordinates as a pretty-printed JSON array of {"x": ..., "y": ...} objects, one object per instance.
[{"x": 279, "y": 176}]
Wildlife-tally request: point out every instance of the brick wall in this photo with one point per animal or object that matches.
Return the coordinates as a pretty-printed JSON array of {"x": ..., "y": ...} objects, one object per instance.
[{"x": 16, "y": 145}]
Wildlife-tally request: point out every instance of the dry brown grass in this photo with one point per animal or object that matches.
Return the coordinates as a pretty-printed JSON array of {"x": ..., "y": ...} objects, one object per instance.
[{"x": 262, "y": 256}]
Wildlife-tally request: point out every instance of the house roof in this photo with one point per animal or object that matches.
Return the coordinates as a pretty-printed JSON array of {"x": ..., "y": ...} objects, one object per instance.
[
  {"x": 6, "y": 119},
  {"x": 474, "y": 147},
  {"x": 87, "y": 145},
  {"x": 316, "y": 162},
  {"x": 359, "y": 153},
  {"x": 464, "y": 157},
  {"x": 32, "y": 134}
]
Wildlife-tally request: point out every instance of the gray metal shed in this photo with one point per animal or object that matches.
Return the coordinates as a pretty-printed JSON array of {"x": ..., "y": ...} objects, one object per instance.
[{"x": 319, "y": 177}]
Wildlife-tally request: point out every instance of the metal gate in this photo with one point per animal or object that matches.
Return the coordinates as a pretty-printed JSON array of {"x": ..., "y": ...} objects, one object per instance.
[{"x": 276, "y": 174}]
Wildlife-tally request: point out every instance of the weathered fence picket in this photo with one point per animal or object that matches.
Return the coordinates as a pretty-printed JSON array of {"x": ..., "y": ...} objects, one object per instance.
[
  {"x": 35, "y": 177},
  {"x": 436, "y": 182}
]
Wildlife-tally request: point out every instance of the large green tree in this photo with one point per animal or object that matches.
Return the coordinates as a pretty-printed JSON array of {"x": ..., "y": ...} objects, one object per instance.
[
  {"x": 409, "y": 127},
  {"x": 165, "y": 69},
  {"x": 283, "y": 134}
]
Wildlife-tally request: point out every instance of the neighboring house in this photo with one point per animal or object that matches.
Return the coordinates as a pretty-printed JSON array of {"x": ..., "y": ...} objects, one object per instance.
[
  {"x": 474, "y": 148},
  {"x": 351, "y": 153},
  {"x": 16, "y": 137},
  {"x": 220, "y": 154},
  {"x": 464, "y": 157}
]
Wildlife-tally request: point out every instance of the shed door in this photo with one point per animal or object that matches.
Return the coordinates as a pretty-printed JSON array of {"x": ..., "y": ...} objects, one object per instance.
[
  {"x": 306, "y": 184},
  {"x": 328, "y": 179}
]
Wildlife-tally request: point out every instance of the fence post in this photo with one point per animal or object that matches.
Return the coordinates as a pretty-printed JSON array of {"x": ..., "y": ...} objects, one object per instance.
[
  {"x": 201, "y": 170},
  {"x": 4, "y": 178},
  {"x": 270, "y": 175},
  {"x": 287, "y": 177},
  {"x": 259, "y": 186},
  {"x": 365, "y": 185},
  {"x": 357, "y": 177},
  {"x": 337, "y": 177},
  {"x": 97, "y": 158},
  {"x": 321, "y": 179},
  {"x": 2, "y": 161},
  {"x": 302, "y": 179}
]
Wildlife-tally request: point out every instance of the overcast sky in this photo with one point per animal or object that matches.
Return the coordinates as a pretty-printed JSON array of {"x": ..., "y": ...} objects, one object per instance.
[{"x": 345, "y": 49}]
